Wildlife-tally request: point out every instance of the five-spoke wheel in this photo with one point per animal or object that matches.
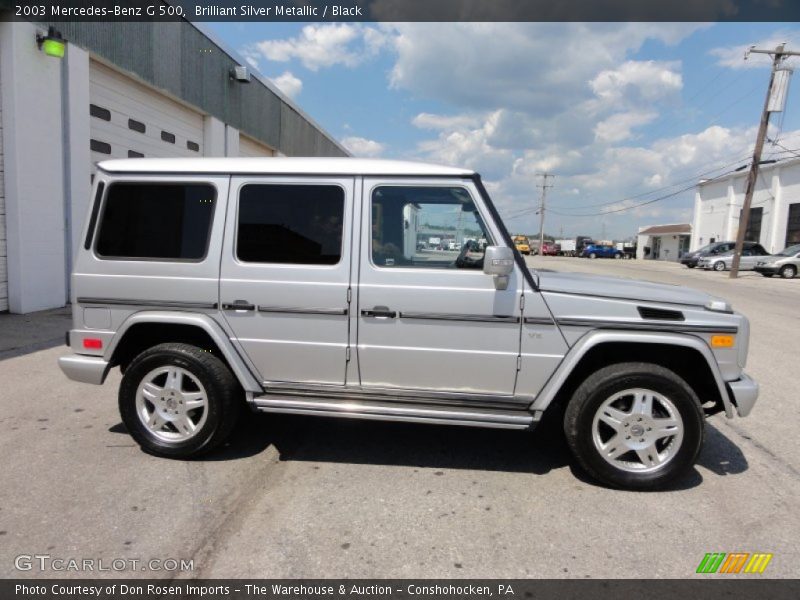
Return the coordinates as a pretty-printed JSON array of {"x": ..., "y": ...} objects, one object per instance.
[
  {"x": 634, "y": 425},
  {"x": 178, "y": 400}
]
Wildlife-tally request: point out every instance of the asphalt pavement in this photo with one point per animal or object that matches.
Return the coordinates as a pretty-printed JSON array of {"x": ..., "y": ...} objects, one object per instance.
[{"x": 309, "y": 497}]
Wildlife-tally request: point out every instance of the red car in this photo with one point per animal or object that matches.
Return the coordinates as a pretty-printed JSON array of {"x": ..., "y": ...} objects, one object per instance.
[{"x": 550, "y": 249}]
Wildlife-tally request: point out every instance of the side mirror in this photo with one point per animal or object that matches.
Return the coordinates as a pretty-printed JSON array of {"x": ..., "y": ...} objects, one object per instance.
[{"x": 499, "y": 261}]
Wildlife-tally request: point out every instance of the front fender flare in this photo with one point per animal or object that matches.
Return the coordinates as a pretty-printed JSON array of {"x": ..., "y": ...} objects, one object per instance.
[
  {"x": 204, "y": 322},
  {"x": 597, "y": 337}
]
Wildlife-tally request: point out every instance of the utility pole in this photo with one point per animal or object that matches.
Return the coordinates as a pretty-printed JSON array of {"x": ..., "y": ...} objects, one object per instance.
[
  {"x": 778, "y": 56},
  {"x": 542, "y": 201}
]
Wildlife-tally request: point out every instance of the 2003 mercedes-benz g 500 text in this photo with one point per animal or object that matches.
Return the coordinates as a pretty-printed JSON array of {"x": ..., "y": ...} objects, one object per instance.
[{"x": 308, "y": 286}]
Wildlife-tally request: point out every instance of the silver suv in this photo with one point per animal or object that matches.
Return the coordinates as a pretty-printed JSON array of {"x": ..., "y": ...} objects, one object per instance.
[{"x": 380, "y": 290}]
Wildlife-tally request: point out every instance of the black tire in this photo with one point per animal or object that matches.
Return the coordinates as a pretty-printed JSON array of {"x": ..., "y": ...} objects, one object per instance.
[
  {"x": 618, "y": 255},
  {"x": 767, "y": 274},
  {"x": 691, "y": 266},
  {"x": 592, "y": 255},
  {"x": 719, "y": 266},
  {"x": 788, "y": 271},
  {"x": 223, "y": 399},
  {"x": 604, "y": 383}
]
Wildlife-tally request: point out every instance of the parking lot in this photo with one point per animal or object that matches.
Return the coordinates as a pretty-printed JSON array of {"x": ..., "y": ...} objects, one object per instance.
[{"x": 305, "y": 497}]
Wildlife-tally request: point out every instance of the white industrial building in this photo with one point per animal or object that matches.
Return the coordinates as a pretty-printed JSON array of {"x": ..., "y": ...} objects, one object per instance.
[
  {"x": 663, "y": 242},
  {"x": 121, "y": 90},
  {"x": 774, "y": 215}
]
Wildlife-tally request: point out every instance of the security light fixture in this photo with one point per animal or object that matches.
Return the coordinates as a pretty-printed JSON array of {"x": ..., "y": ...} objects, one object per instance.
[
  {"x": 53, "y": 44},
  {"x": 240, "y": 74}
]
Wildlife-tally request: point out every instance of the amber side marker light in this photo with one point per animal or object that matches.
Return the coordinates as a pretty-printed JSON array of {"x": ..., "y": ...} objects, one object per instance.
[{"x": 723, "y": 341}]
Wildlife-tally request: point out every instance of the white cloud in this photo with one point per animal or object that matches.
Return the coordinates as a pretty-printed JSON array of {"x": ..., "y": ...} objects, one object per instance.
[
  {"x": 362, "y": 147},
  {"x": 443, "y": 122},
  {"x": 288, "y": 84},
  {"x": 617, "y": 128},
  {"x": 634, "y": 82},
  {"x": 319, "y": 46}
]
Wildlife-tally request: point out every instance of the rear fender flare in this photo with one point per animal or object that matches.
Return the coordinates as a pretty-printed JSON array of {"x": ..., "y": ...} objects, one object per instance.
[{"x": 204, "y": 322}]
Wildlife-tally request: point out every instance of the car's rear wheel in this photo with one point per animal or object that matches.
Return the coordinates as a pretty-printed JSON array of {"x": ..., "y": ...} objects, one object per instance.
[
  {"x": 634, "y": 425},
  {"x": 690, "y": 265},
  {"x": 177, "y": 400},
  {"x": 719, "y": 266},
  {"x": 788, "y": 271},
  {"x": 618, "y": 255},
  {"x": 767, "y": 274},
  {"x": 592, "y": 255}
]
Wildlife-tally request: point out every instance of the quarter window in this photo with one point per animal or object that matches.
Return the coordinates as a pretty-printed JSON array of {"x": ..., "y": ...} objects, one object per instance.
[
  {"x": 290, "y": 224},
  {"x": 427, "y": 227},
  {"x": 156, "y": 221}
]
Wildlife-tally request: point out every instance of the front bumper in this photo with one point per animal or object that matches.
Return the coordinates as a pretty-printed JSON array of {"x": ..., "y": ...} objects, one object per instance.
[
  {"x": 86, "y": 369},
  {"x": 743, "y": 393}
]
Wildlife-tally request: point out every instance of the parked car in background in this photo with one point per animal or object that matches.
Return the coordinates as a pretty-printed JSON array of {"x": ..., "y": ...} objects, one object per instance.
[
  {"x": 523, "y": 244},
  {"x": 785, "y": 263},
  {"x": 601, "y": 251},
  {"x": 550, "y": 249},
  {"x": 751, "y": 254},
  {"x": 690, "y": 259}
]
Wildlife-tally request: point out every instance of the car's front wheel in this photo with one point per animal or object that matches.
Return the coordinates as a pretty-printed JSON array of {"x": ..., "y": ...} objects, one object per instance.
[
  {"x": 178, "y": 401},
  {"x": 592, "y": 255},
  {"x": 789, "y": 272},
  {"x": 634, "y": 425},
  {"x": 719, "y": 266}
]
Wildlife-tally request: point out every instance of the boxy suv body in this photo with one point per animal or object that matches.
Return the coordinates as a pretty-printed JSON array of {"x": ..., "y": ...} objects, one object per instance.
[{"x": 298, "y": 286}]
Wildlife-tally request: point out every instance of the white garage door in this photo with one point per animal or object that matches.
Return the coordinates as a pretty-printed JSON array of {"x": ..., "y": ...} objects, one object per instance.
[
  {"x": 250, "y": 147},
  {"x": 3, "y": 262},
  {"x": 131, "y": 120}
]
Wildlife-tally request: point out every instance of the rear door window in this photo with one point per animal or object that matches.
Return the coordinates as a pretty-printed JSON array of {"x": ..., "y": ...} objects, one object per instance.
[
  {"x": 290, "y": 224},
  {"x": 156, "y": 221}
]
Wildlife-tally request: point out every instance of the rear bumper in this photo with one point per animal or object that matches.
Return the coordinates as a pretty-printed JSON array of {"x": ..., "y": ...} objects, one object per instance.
[
  {"x": 86, "y": 369},
  {"x": 743, "y": 393}
]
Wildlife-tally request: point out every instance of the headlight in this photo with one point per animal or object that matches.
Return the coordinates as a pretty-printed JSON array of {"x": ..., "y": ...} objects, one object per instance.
[{"x": 717, "y": 305}]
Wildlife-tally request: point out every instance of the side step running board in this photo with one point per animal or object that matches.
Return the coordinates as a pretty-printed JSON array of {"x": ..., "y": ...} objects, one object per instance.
[{"x": 384, "y": 411}]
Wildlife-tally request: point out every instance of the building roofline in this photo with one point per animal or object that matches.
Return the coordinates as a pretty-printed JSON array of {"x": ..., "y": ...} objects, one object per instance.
[
  {"x": 743, "y": 173},
  {"x": 209, "y": 33}
]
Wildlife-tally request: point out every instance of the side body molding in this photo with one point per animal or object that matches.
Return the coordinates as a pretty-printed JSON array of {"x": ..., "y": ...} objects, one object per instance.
[
  {"x": 204, "y": 322},
  {"x": 597, "y": 337}
]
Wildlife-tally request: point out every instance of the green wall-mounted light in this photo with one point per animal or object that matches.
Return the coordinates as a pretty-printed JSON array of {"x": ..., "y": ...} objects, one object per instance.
[{"x": 52, "y": 44}]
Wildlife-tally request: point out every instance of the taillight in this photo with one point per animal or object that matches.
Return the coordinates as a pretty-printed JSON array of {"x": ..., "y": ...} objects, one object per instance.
[{"x": 92, "y": 343}]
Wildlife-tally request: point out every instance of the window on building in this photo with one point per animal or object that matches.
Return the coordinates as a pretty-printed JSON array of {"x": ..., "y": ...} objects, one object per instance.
[
  {"x": 156, "y": 221},
  {"x": 101, "y": 147},
  {"x": 427, "y": 227},
  {"x": 290, "y": 224},
  {"x": 793, "y": 225},
  {"x": 99, "y": 112},
  {"x": 753, "y": 233},
  {"x": 168, "y": 137},
  {"x": 193, "y": 146},
  {"x": 135, "y": 154},
  {"x": 136, "y": 126}
]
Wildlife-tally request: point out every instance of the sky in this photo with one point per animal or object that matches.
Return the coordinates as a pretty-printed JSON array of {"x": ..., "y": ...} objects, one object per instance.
[{"x": 627, "y": 116}]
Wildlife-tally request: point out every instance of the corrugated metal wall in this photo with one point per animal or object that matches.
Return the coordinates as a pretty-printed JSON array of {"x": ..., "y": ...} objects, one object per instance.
[{"x": 185, "y": 63}]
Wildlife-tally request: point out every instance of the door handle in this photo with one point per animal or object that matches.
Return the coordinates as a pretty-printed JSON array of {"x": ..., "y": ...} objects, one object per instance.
[
  {"x": 380, "y": 312},
  {"x": 239, "y": 305}
]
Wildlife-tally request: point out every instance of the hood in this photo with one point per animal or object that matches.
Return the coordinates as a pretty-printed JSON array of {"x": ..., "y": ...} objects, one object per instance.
[{"x": 625, "y": 289}]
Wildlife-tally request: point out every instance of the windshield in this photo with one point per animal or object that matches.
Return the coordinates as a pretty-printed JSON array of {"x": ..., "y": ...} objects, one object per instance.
[
  {"x": 790, "y": 251},
  {"x": 707, "y": 247}
]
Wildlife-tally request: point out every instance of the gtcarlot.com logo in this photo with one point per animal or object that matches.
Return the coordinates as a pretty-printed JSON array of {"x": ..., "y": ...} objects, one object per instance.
[{"x": 734, "y": 562}]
